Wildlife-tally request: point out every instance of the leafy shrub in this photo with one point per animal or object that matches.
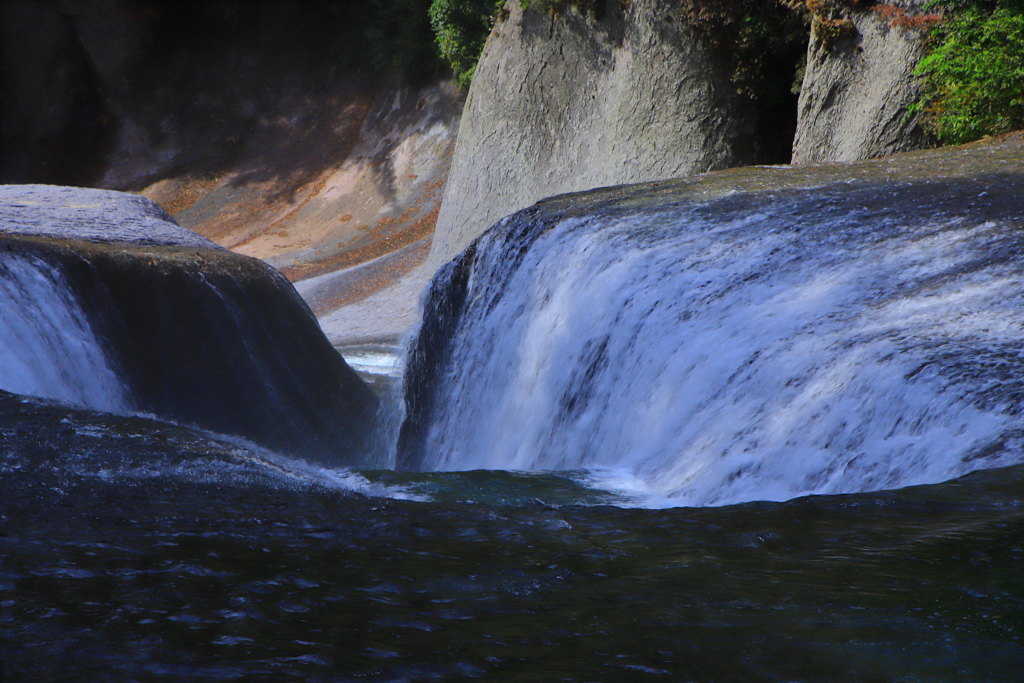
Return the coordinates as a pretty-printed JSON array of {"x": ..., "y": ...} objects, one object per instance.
[
  {"x": 973, "y": 76},
  {"x": 828, "y": 31},
  {"x": 385, "y": 36},
  {"x": 461, "y": 28}
]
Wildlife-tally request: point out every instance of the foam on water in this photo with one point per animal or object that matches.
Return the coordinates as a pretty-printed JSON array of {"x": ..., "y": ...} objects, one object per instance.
[
  {"x": 108, "y": 449},
  {"x": 706, "y": 355},
  {"x": 47, "y": 346},
  {"x": 249, "y": 469},
  {"x": 374, "y": 360}
]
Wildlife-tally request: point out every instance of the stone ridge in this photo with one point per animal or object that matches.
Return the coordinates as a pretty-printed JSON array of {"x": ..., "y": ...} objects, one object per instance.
[{"x": 91, "y": 215}]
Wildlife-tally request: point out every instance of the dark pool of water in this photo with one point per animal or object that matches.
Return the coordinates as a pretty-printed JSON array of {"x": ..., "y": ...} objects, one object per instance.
[{"x": 131, "y": 550}]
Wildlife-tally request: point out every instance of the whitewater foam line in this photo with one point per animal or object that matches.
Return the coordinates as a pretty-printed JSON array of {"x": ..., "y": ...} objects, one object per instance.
[
  {"x": 246, "y": 463},
  {"x": 739, "y": 349}
]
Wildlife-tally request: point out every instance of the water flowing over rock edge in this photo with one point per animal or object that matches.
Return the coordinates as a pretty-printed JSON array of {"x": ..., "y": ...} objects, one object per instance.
[
  {"x": 503, "y": 372},
  {"x": 114, "y": 307}
]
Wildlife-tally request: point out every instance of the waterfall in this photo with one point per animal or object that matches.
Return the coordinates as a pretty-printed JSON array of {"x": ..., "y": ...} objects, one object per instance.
[
  {"x": 753, "y": 346},
  {"x": 47, "y": 346}
]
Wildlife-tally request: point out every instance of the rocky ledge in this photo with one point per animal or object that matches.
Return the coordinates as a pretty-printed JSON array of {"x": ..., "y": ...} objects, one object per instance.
[{"x": 195, "y": 333}]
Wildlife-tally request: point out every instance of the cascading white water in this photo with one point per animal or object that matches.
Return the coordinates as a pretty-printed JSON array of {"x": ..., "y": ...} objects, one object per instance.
[
  {"x": 711, "y": 354},
  {"x": 47, "y": 347}
]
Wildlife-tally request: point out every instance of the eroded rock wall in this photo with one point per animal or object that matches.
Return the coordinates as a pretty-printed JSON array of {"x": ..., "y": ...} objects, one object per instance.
[
  {"x": 241, "y": 119},
  {"x": 859, "y": 82},
  {"x": 564, "y": 101}
]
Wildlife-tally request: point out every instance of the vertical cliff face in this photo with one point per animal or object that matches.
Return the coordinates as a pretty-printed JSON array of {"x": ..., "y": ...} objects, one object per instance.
[
  {"x": 858, "y": 83},
  {"x": 566, "y": 101}
]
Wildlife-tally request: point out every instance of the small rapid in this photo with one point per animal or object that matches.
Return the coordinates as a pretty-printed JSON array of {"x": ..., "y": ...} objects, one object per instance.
[
  {"x": 755, "y": 346},
  {"x": 48, "y": 348}
]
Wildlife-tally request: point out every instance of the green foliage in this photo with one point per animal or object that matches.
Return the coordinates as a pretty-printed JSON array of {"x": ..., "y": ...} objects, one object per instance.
[
  {"x": 460, "y": 29},
  {"x": 973, "y": 75},
  {"x": 768, "y": 48},
  {"x": 386, "y": 35},
  {"x": 398, "y": 36}
]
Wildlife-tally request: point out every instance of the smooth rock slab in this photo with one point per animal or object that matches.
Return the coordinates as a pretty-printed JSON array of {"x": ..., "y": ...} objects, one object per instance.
[{"x": 81, "y": 213}]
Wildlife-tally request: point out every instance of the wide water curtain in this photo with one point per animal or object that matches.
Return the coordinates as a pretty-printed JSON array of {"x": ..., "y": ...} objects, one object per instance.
[{"x": 750, "y": 347}]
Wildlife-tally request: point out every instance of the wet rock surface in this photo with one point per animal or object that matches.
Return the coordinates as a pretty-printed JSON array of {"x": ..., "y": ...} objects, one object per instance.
[
  {"x": 197, "y": 335},
  {"x": 91, "y": 215}
]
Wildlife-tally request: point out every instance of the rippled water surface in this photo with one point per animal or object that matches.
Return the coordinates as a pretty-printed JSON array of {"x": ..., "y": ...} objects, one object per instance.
[{"x": 134, "y": 550}]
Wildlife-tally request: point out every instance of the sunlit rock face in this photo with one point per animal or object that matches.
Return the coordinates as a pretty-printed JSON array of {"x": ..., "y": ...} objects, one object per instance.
[
  {"x": 859, "y": 82},
  {"x": 759, "y": 333},
  {"x": 110, "y": 305},
  {"x": 565, "y": 102}
]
